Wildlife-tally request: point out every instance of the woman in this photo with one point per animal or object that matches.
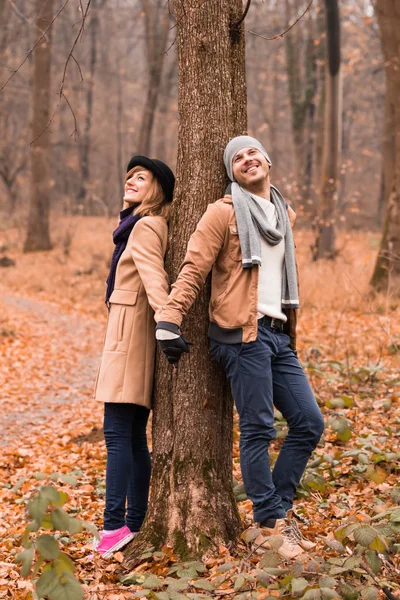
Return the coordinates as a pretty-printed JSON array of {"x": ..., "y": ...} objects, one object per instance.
[{"x": 136, "y": 287}]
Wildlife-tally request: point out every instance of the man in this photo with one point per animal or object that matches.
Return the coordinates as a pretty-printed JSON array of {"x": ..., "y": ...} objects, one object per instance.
[{"x": 246, "y": 239}]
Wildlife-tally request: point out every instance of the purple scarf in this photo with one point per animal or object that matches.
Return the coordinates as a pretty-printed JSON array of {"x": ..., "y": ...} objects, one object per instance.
[{"x": 127, "y": 221}]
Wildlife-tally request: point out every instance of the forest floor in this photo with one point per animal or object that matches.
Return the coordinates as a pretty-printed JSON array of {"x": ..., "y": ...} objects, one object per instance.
[{"x": 51, "y": 332}]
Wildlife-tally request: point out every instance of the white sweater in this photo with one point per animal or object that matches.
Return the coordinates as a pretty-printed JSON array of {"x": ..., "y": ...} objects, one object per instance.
[{"x": 270, "y": 271}]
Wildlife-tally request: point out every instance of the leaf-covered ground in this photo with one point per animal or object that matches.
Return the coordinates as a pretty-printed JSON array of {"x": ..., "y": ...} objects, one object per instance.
[{"x": 51, "y": 332}]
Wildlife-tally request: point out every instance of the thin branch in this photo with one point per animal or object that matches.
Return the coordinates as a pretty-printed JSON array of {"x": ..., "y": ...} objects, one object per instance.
[
  {"x": 70, "y": 55},
  {"x": 244, "y": 15},
  {"x": 18, "y": 12},
  {"x": 279, "y": 35},
  {"x": 35, "y": 45}
]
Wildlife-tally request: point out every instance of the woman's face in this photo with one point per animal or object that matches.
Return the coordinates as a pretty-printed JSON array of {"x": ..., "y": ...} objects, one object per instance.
[{"x": 137, "y": 187}]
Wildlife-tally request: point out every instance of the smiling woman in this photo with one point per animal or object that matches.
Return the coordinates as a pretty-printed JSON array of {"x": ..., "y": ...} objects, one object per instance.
[{"x": 137, "y": 285}]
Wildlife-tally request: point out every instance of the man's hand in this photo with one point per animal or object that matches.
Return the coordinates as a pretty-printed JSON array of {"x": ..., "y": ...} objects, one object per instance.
[
  {"x": 171, "y": 342},
  {"x": 173, "y": 349}
]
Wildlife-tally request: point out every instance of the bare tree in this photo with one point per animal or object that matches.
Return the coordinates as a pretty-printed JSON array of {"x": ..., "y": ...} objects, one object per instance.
[
  {"x": 38, "y": 234},
  {"x": 191, "y": 504},
  {"x": 325, "y": 243},
  {"x": 387, "y": 269},
  {"x": 157, "y": 25}
]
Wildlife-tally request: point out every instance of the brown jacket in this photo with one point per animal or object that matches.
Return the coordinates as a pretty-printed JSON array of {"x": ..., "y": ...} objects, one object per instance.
[
  {"x": 141, "y": 287},
  {"x": 234, "y": 290}
]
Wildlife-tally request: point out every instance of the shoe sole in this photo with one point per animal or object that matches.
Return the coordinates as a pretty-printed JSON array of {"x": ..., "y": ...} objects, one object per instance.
[{"x": 117, "y": 546}]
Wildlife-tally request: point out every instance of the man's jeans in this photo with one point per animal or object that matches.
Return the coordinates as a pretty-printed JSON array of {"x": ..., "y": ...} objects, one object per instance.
[
  {"x": 261, "y": 374},
  {"x": 128, "y": 465}
]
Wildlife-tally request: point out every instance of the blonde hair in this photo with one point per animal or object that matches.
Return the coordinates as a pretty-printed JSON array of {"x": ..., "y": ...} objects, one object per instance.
[{"x": 155, "y": 203}]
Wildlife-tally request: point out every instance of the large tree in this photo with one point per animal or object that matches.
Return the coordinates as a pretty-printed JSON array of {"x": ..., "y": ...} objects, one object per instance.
[
  {"x": 191, "y": 503},
  {"x": 325, "y": 243},
  {"x": 38, "y": 235},
  {"x": 386, "y": 275}
]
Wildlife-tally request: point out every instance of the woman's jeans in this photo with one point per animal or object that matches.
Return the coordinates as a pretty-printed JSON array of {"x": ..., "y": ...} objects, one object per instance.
[
  {"x": 128, "y": 465},
  {"x": 262, "y": 374}
]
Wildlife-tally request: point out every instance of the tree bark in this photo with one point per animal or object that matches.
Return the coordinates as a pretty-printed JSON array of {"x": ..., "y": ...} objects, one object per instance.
[
  {"x": 325, "y": 243},
  {"x": 87, "y": 129},
  {"x": 191, "y": 503},
  {"x": 38, "y": 235},
  {"x": 386, "y": 274}
]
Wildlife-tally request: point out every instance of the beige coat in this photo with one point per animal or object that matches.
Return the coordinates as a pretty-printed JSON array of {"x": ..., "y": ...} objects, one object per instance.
[{"x": 141, "y": 287}]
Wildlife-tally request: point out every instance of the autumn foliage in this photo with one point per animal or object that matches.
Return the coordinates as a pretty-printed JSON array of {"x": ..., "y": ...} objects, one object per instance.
[{"x": 51, "y": 332}]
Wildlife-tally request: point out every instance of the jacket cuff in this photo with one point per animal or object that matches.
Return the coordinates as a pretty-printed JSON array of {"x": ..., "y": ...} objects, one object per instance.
[{"x": 168, "y": 326}]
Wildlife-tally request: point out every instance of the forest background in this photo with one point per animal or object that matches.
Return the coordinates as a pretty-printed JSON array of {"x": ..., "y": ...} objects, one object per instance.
[{"x": 113, "y": 93}]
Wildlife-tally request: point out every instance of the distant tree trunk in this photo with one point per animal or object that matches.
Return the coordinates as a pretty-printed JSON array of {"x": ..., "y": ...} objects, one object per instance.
[
  {"x": 157, "y": 22},
  {"x": 192, "y": 505},
  {"x": 386, "y": 275},
  {"x": 302, "y": 91},
  {"x": 388, "y": 158},
  {"x": 325, "y": 243},
  {"x": 38, "y": 235},
  {"x": 87, "y": 128},
  {"x": 168, "y": 87}
]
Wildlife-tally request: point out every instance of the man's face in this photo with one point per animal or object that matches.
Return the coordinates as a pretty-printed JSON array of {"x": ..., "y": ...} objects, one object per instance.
[{"x": 249, "y": 167}]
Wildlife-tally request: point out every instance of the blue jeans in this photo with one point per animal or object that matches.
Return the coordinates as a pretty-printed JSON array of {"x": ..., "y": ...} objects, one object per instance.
[
  {"x": 128, "y": 465},
  {"x": 261, "y": 374}
]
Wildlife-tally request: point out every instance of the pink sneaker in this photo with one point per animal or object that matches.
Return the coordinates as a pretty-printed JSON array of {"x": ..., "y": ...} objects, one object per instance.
[{"x": 111, "y": 541}]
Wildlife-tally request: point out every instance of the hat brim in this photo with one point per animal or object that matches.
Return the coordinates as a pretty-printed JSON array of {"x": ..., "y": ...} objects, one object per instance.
[{"x": 151, "y": 165}]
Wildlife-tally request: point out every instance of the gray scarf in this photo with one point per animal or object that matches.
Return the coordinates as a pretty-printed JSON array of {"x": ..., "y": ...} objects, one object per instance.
[{"x": 253, "y": 222}]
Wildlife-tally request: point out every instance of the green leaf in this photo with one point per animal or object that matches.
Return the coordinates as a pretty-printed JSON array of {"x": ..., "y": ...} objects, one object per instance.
[
  {"x": 190, "y": 573},
  {"x": 250, "y": 534},
  {"x": 40, "y": 476},
  {"x": 37, "y": 508},
  {"x": 60, "y": 519},
  {"x": 373, "y": 560},
  {"x": 64, "y": 564},
  {"x": 200, "y": 568},
  {"x": 140, "y": 594},
  {"x": 274, "y": 571},
  {"x": 25, "y": 557},
  {"x": 49, "y": 493},
  {"x": 203, "y": 584},
  {"x": 379, "y": 544},
  {"x": 177, "y": 596},
  {"x": 312, "y": 594},
  {"x": 47, "y": 583},
  {"x": 370, "y": 593},
  {"x": 365, "y": 535},
  {"x": 395, "y": 516},
  {"x": 270, "y": 559},
  {"x": 162, "y": 596},
  {"x": 327, "y": 582},
  {"x": 329, "y": 594},
  {"x": 176, "y": 585},
  {"x": 239, "y": 583},
  {"x": 152, "y": 582},
  {"x": 47, "y": 546},
  {"x": 69, "y": 479},
  {"x": 225, "y": 567},
  {"x": 298, "y": 585},
  {"x": 133, "y": 578},
  {"x": 348, "y": 592},
  {"x": 263, "y": 578}
]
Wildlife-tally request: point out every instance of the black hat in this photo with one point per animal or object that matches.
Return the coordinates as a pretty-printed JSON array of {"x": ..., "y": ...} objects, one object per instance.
[{"x": 160, "y": 171}]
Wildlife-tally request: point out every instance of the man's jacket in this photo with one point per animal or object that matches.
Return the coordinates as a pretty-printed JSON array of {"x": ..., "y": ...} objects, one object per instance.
[{"x": 234, "y": 290}]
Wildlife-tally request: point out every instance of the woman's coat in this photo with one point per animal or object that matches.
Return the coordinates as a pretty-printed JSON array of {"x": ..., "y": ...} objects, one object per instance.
[{"x": 141, "y": 288}]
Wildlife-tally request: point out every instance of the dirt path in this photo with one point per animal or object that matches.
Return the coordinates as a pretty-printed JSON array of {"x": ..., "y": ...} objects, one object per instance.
[{"x": 49, "y": 368}]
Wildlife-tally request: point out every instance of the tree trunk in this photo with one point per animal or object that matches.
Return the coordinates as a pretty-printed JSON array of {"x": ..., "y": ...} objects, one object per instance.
[
  {"x": 38, "y": 235},
  {"x": 191, "y": 503},
  {"x": 386, "y": 275},
  {"x": 157, "y": 21},
  {"x": 302, "y": 90},
  {"x": 325, "y": 243},
  {"x": 86, "y": 136}
]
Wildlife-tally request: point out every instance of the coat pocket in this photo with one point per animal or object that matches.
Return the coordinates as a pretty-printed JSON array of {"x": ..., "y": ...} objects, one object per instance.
[
  {"x": 235, "y": 251},
  {"x": 120, "y": 320}
]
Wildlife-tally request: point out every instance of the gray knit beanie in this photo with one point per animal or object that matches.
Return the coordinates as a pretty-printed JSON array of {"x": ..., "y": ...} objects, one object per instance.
[{"x": 236, "y": 144}]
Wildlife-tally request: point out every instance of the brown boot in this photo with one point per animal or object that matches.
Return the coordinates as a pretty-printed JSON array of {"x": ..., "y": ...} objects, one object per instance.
[
  {"x": 301, "y": 540},
  {"x": 290, "y": 547}
]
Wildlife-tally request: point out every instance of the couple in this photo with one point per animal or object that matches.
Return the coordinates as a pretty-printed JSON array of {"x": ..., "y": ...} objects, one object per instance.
[{"x": 246, "y": 240}]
